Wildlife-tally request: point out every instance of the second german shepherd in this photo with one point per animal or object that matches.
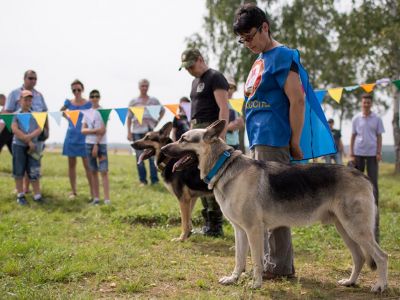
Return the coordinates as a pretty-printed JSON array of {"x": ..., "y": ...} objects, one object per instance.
[{"x": 186, "y": 184}]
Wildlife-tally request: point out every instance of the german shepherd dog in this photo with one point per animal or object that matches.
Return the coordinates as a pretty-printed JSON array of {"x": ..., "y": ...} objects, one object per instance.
[
  {"x": 256, "y": 195},
  {"x": 185, "y": 184}
]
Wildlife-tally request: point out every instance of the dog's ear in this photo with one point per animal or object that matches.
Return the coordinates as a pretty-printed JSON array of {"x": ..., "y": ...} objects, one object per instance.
[
  {"x": 214, "y": 130},
  {"x": 166, "y": 129}
]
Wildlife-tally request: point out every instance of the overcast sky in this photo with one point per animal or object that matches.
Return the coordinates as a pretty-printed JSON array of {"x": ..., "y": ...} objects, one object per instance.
[{"x": 108, "y": 45}]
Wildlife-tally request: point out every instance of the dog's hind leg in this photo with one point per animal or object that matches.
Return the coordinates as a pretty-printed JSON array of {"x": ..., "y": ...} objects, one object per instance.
[
  {"x": 356, "y": 253},
  {"x": 364, "y": 236},
  {"x": 242, "y": 248}
]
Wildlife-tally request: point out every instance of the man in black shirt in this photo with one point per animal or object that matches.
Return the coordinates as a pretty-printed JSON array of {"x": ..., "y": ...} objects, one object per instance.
[{"x": 209, "y": 98}]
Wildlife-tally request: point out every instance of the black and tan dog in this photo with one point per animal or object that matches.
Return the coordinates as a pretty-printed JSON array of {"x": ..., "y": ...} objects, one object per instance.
[
  {"x": 185, "y": 184},
  {"x": 255, "y": 195}
]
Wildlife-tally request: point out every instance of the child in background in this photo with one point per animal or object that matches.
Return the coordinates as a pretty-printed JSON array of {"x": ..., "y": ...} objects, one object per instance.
[
  {"x": 180, "y": 125},
  {"x": 24, "y": 147},
  {"x": 96, "y": 147}
]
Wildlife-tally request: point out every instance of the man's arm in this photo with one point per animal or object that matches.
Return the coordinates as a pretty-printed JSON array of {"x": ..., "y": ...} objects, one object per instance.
[
  {"x": 294, "y": 91},
  {"x": 352, "y": 140},
  {"x": 129, "y": 124},
  {"x": 11, "y": 104},
  {"x": 379, "y": 147},
  {"x": 221, "y": 97}
]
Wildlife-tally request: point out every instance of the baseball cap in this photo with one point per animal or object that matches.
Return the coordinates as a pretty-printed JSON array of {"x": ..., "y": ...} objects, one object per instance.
[
  {"x": 26, "y": 93},
  {"x": 189, "y": 57}
]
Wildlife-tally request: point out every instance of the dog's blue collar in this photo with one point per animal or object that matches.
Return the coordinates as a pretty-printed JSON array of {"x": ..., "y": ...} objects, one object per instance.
[{"x": 224, "y": 156}]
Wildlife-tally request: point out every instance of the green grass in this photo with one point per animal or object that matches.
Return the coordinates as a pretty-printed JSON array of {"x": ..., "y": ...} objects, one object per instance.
[{"x": 67, "y": 249}]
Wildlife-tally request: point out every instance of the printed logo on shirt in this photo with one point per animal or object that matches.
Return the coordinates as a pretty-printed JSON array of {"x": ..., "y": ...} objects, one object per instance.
[
  {"x": 200, "y": 87},
  {"x": 257, "y": 104},
  {"x": 254, "y": 79}
]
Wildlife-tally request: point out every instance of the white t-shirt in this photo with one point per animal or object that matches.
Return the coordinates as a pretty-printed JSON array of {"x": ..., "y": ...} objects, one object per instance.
[{"x": 93, "y": 120}]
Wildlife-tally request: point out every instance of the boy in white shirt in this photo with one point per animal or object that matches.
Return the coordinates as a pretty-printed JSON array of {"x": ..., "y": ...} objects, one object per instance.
[{"x": 96, "y": 147}]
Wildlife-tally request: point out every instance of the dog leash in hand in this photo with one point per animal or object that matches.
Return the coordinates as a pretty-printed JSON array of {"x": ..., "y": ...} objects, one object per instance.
[{"x": 221, "y": 160}]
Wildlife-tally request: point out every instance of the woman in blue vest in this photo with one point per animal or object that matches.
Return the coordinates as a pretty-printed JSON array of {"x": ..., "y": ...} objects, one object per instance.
[{"x": 284, "y": 120}]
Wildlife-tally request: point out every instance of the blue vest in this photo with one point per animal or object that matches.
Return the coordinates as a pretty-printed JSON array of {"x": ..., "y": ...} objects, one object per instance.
[{"x": 267, "y": 106}]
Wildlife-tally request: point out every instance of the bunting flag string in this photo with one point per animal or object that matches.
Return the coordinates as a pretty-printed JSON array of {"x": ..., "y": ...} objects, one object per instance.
[
  {"x": 122, "y": 112},
  {"x": 154, "y": 110},
  {"x": 138, "y": 111},
  {"x": 24, "y": 119},
  {"x": 105, "y": 114},
  {"x": 73, "y": 115},
  {"x": 7, "y": 118},
  {"x": 174, "y": 108},
  {"x": 40, "y": 118}
]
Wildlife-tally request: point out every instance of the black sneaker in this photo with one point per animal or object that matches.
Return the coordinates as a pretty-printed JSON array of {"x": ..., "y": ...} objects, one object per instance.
[
  {"x": 40, "y": 200},
  {"x": 22, "y": 201},
  {"x": 95, "y": 202}
]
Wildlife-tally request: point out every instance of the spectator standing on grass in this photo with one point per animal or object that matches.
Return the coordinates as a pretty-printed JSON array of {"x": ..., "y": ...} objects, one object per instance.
[
  {"x": 181, "y": 123},
  {"x": 96, "y": 147},
  {"x": 337, "y": 136},
  {"x": 38, "y": 105},
  {"x": 235, "y": 120},
  {"x": 366, "y": 146},
  {"x": 74, "y": 142},
  {"x": 26, "y": 159},
  {"x": 209, "y": 95},
  {"x": 137, "y": 130}
]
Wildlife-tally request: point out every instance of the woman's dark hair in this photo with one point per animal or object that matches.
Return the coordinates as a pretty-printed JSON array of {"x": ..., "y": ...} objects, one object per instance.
[
  {"x": 94, "y": 92},
  {"x": 247, "y": 16},
  {"x": 76, "y": 81}
]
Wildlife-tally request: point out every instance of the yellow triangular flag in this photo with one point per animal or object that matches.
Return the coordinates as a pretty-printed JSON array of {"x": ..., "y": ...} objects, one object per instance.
[
  {"x": 40, "y": 118},
  {"x": 368, "y": 87},
  {"x": 237, "y": 104},
  {"x": 73, "y": 115},
  {"x": 174, "y": 108},
  {"x": 336, "y": 94},
  {"x": 138, "y": 111}
]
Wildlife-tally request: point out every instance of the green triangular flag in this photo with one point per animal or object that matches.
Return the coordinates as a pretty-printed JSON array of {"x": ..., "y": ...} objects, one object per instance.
[
  {"x": 7, "y": 118},
  {"x": 397, "y": 84},
  {"x": 105, "y": 113}
]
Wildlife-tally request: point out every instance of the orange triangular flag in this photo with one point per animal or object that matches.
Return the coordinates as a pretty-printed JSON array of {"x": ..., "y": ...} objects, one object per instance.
[
  {"x": 40, "y": 118},
  {"x": 138, "y": 111},
  {"x": 237, "y": 104},
  {"x": 174, "y": 108},
  {"x": 336, "y": 94},
  {"x": 368, "y": 87},
  {"x": 73, "y": 115}
]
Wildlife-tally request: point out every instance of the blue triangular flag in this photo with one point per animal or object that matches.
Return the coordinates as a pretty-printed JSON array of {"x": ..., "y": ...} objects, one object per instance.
[
  {"x": 56, "y": 115},
  {"x": 122, "y": 112},
  {"x": 320, "y": 94},
  {"x": 351, "y": 88},
  {"x": 24, "y": 120},
  {"x": 154, "y": 111}
]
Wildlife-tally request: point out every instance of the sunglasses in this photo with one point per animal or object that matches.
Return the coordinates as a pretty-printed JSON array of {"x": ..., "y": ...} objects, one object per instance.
[
  {"x": 32, "y": 78},
  {"x": 250, "y": 37},
  {"x": 94, "y": 96},
  {"x": 76, "y": 90}
]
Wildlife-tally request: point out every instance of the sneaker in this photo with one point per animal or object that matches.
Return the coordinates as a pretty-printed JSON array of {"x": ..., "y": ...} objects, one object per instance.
[
  {"x": 107, "y": 202},
  {"x": 95, "y": 202},
  {"x": 22, "y": 201}
]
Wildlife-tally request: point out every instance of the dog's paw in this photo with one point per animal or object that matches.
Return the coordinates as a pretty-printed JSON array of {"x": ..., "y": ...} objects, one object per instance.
[
  {"x": 255, "y": 284},
  {"x": 346, "y": 282},
  {"x": 228, "y": 279},
  {"x": 179, "y": 239},
  {"x": 379, "y": 287}
]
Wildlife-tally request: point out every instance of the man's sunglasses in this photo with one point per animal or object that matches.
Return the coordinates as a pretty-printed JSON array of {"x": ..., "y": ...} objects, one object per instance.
[
  {"x": 76, "y": 90},
  {"x": 94, "y": 96},
  {"x": 32, "y": 78}
]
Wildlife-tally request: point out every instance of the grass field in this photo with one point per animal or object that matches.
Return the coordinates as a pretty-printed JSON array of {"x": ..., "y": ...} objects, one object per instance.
[{"x": 68, "y": 249}]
